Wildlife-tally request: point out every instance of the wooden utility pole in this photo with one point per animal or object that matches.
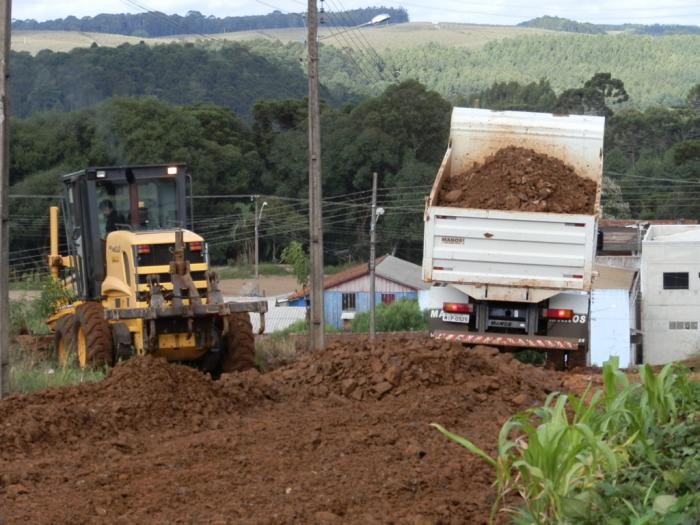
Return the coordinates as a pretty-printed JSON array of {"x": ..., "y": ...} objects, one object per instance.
[
  {"x": 5, "y": 19},
  {"x": 372, "y": 260},
  {"x": 316, "y": 326},
  {"x": 255, "y": 223}
]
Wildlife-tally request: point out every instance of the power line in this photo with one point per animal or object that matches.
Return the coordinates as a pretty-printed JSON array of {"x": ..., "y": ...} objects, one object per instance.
[{"x": 342, "y": 12}]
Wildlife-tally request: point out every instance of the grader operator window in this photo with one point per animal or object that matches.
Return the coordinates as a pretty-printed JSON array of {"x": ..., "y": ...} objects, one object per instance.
[
  {"x": 101, "y": 200},
  {"x": 139, "y": 205}
]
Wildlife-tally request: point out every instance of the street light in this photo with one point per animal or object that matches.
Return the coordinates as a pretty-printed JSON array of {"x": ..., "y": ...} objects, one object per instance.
[
  {"x": 376, "y": 213},
  {"x": 256, "y": 219},
  {"x": 375, "y": 21}
]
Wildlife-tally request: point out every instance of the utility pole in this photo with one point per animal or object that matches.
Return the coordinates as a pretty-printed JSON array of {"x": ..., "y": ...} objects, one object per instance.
[
  {"x": 5, "y": 19},
  {"x": 372, "y": 260},
  {"x": 255, "y": 222},
  {"x": 316, "y": 326}
]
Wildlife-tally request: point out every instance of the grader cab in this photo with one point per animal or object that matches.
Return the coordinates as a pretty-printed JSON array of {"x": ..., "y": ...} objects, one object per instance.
[{"x": 139, "y": 282}]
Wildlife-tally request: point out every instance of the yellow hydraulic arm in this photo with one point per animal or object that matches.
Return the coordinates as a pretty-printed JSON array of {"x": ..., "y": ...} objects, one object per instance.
[{"x": 56, "y": 262}]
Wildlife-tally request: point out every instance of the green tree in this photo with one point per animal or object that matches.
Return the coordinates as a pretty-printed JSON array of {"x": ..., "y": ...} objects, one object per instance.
[
  {"x": 686, "y": 151},
  {"x": 693, "y": 99},
  {"x": 613, "y": 204},
  {"x": 295, "y": 255},
  {"x": 594, "y": 98}
]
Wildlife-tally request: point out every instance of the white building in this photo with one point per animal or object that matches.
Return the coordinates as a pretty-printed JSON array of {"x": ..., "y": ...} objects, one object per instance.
[
  {"x": 613, "y": 315},
  {"x": 670, "y": 291}
]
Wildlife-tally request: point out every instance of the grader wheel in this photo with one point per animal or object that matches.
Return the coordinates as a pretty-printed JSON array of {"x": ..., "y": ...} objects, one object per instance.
[
  {"x": 64, "y": 340},
  {"x": 93, "y": 339},
  {"x": 240, "y": 344}
]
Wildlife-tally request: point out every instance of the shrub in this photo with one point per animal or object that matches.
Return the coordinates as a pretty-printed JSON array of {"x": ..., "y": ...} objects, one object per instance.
[{"x": 401, "y": 316}]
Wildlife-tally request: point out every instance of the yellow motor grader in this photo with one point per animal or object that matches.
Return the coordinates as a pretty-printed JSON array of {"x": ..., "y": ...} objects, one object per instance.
[{"x": 138, "y": 281}]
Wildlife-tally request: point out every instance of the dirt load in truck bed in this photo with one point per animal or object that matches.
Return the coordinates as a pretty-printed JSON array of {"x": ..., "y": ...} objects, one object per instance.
[{"x": 520, "y": 179}]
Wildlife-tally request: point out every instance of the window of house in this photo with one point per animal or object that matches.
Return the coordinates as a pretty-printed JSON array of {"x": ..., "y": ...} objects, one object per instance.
[
  {"x": 388, "y": 298},
  {"x": 349, "y": 301},
  {"x": 675, "y": 280}
]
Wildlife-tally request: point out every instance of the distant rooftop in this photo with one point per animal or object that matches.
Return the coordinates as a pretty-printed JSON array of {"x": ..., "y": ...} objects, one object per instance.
[
  {"x": 673, "y": 233},
  {"x": 387, "y": 266}
]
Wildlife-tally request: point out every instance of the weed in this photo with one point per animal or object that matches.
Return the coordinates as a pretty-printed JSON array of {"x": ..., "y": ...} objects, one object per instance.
[{"x": 30, "y": 374}]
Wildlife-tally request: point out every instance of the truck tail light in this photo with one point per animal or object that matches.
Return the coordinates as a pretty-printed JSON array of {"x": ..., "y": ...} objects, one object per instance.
[
  {"x": 196, "y": 246},
  {"x": 143, "y": 248},
  {"x": 558, "y": 313},
  {"x": 457, "y": 308}
]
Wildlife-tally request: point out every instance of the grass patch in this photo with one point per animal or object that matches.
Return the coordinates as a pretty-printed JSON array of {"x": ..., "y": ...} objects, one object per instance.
[
  {"x": 337, "y": 268},
  {"x": 26, "y": 317},
  {"x": 247, "y": 271},
  {"x": 30, "y": 373},
  {"x": 28, "y": 285}
]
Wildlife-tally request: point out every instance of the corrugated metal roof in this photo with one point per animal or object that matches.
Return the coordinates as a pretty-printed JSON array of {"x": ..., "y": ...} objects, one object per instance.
[
  {"x": 402, "y": 272},
  {"x": 388, "y": 267}
]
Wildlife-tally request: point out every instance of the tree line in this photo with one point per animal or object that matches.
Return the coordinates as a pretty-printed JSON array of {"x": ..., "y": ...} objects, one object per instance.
[
  {"x": 652, "y": 160},
  {"x": 229, "y": 75},
  {"x": 556, "y": 23},
  {"x": 656, "y": 71},
  {"x": 156, "y": 24}
]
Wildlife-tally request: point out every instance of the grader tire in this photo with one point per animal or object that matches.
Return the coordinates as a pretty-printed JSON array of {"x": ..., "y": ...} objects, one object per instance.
[
  {"x": 93, "y": 338},
  {"x": 240, "y": 344},
  {"x": 64, "y": 340}
]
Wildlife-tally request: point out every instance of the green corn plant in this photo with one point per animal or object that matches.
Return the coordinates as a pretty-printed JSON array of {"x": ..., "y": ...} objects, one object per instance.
[
  {"x": 556, "y": 456},
  {"x": 502, "y": 464},
  {"x": 549, "y": 457}
]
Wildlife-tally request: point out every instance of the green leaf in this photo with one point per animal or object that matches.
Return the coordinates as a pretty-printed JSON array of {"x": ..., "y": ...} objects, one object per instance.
[
  {"x": 471, "y": 447},
  {"x": 663, "y": 502}
]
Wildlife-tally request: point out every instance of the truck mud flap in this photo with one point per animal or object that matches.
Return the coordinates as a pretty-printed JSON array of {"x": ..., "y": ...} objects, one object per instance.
[{"x": 512, "y": 340}]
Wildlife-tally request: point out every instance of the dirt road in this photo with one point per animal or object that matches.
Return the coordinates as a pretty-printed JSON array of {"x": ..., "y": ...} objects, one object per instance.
[
  {"x": 269, "y": 285},
  {"x": 340, "y": 437}
]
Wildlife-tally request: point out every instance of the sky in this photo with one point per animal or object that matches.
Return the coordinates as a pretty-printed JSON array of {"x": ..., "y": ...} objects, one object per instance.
[{"x": 506, "y": 12}]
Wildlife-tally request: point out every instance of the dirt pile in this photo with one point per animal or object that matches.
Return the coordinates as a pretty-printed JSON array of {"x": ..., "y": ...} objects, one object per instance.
[
  {"x": 520, "y": 179},
  {"x": 362, "y": 371},
  {"x": 342, "y": 436},
  {"x": 138, "y": 395}
]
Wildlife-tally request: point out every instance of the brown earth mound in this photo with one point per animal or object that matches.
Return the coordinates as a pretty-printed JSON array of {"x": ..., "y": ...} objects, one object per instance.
[
  {"x": 138, "y": 395},
  {"x": 520, "y": 179},
  {"x": 361, "y": 370},
  {"x": 342, "y": 436}
]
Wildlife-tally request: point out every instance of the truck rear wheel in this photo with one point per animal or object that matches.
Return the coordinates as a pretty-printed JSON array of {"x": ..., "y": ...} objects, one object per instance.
[
  {"x": 240, "y": 344},
  {"x": 93, "y": 339},
  {"x": 556, "y": 359},
  {"x": 577, "y": 359},
  {"x": 64, "y": 340}
]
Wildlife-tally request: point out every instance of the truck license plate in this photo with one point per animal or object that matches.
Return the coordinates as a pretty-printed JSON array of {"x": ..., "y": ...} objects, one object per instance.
[{"x": 454, "y": 318}]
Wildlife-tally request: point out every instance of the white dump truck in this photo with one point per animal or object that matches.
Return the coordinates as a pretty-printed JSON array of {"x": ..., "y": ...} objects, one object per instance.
[{"x": 514, "y": 278}]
